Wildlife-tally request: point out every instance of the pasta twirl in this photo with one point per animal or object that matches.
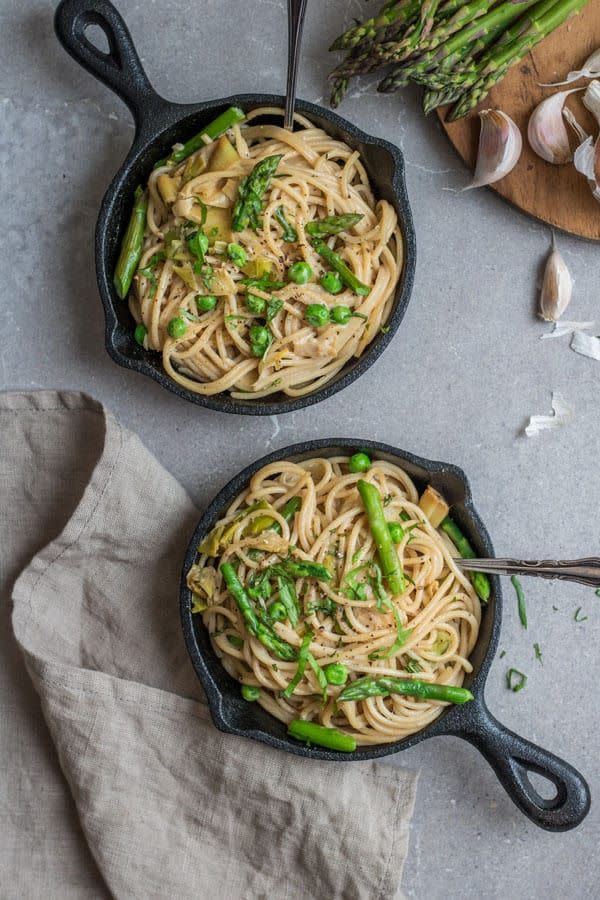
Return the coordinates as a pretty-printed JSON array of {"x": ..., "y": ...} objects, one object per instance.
[
  {"x": 199, "y": 303},
  {"x": 300, "y": 546}
]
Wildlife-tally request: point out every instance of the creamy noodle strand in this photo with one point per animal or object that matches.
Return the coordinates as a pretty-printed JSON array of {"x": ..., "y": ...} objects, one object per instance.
[
  {"x": 438, "y": 612},
  {"x": 212, "y": 351}
]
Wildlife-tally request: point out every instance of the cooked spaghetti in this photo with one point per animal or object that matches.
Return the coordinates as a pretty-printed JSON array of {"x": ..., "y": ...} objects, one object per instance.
[
  {"x": 265, "y": 262},
  {"x": 297, "y": 562}
]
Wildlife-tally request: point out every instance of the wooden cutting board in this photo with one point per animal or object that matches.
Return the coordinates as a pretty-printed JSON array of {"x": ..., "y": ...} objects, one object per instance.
[{"x": 558, "y": 195}]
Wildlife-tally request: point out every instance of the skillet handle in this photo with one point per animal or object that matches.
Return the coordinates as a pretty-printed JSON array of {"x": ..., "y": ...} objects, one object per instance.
[
  {"x": 120, "y": 68},
  {"x": 512, "y": 758}
]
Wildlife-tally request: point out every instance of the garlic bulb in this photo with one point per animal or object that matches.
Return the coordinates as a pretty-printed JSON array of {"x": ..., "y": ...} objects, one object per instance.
[
  {"x": 500, "y": 146},
  {"x": 590, "y": 69},
  {"x": 546, "y": 132},
  {"x": 557, "y": 286}
]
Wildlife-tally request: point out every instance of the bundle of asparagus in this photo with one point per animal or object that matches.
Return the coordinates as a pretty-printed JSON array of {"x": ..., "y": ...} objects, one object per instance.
[{"x": 457, "y": 50}]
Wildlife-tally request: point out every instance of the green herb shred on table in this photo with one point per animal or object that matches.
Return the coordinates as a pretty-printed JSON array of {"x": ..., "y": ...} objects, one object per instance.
[
  {"x": 520, "y": 600},
  {"x": 515, "y": 680},
  {"x": 577, "y": 617}
]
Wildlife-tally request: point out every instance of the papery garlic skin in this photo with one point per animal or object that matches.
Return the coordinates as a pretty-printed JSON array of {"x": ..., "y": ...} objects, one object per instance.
[
  {"x": 500, "y": 145},
  {"x": 591, "y": 99},
  {"x": 546, "y": 131},
  {"x": 590, "y": 69},
  {"x": 587, "y": 162},
  {"x": 557, "y": 286}
]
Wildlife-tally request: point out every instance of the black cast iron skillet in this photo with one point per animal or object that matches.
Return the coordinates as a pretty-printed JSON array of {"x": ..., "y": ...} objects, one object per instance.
[
  {"x": 512, "y": 757},
  {"x": 158, "y": 125}
]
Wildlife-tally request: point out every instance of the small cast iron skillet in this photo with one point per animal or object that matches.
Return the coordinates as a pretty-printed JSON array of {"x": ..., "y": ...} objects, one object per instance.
[
  {"x": 512, "y": 757},
  {"x": 159, "y": 124}
]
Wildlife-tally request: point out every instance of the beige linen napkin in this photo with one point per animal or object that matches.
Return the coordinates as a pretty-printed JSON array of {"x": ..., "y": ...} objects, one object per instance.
[{"x": 167, "y": 805}]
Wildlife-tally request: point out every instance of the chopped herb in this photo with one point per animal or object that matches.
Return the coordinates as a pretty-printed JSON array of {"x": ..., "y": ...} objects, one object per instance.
[
  {"x": 405, "y": 516},
  {"x": 150, "y": 277},
  {"x": 273, "y": 307},
  {"x": 236, "y": 641},
  {"x": 411, "y": 665},
  {"x": 203, "y": 208},
  {"x": 577, "y": 617},
  {"x": 502, "y": 654},
  {"x": 388, "y": 499},
  {"x": 597, "y": 592},
  {"x": 198, "y": 245},
  {"x": 520, "y": 600},
  {"x": 263, "y": 284},
  {"x": 538, "y": 653},
  {"x": 515, "y": 680},
  {"x": 555, "y": 608},
  {"x": 384, "y": 329}
]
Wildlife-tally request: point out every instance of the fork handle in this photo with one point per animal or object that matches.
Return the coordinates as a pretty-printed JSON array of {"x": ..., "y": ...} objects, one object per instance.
[
  {"x": 584, "y": 571},
  {"x": 296, "y": 12}
]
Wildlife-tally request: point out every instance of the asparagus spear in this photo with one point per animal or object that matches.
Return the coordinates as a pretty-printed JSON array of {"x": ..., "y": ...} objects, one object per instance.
[
  {"x": 338, "y": 89},
  {"x": 481, "y": 31},
  {"x": 369, "y": 686},
  {"x": 391, "y": 51},
  {"x": 311, "y": 733},
  {"x": 480, "y": 582},
  {"x": 338, "y": 265},
  {"x": 301, "y": 568},
  {"x": 262, "y": 632},
  {"x": 290, "y": 235},
  {"x": 391, "y": 13},
  {"x": 332, "y": 224},
  {"x": 388, "y": 557},
  {"x": 251, "y": 192},
  {"x": 496, "y": 63},
  {"x": 302, "y": 660},
  {"x": 131, "y": 248},
  {"x": 213, "y": 130}
]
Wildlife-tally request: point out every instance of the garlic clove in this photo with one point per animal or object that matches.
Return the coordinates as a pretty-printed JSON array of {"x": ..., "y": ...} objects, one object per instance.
[
  {"x": 557, "y": 286},
  {"x": 500, "y": 146},
  {"x": 587, "y": 162},
  {"x": 546, "y": 131},
  {"x": 591, "y": 99},
  {"x": 590, "y": 69}
]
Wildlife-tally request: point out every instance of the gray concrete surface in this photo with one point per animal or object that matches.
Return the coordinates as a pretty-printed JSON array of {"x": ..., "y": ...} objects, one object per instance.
[{"x": 459, "y": 382}]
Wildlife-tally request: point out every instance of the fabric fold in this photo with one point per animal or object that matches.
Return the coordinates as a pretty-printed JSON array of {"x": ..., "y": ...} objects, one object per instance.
[{"x": 168, "y": 805}]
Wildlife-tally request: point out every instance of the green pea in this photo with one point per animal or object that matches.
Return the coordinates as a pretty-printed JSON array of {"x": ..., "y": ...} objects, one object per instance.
[
  {"x": 360, "y": 462},
  {"x": 256, "y": 305},
  {"x": 250, "y": 692},
  {"x": 335, "y": 673},
  {"x": 300, "y": 272},
  {"x": 176, "y": 327},
  {"x": 140, "y": 334},
  {"x": 206, "y": 302},
  {"x": 317, "y": 314},
  {"x": 332, "y": 283},
  {"x": 237, "y": 254},
  {"x": 396, "y": 532},
  {"x": 277, "y": 611},
  {"x": 260, "y": 338},
  {"x": 341, "y": 315}
]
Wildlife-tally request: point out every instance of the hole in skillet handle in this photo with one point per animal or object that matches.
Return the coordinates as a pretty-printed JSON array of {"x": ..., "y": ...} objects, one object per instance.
[{"x": 515, "y": 759}]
